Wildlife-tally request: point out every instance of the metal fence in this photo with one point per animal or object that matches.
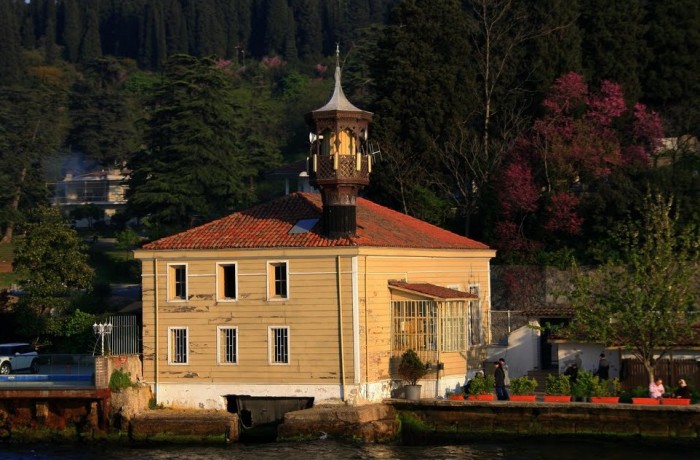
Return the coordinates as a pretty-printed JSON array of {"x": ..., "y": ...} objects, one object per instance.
[
  {"x": 503, "y": 322},
  {"x": 125, "y": 338}
]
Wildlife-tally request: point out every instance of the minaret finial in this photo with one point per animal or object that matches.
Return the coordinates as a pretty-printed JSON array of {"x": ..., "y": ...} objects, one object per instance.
[{"x": 337, "y": 54}]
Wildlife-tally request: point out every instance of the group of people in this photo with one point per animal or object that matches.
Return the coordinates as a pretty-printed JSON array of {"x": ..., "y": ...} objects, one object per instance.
[
  {"x": 657, "y": 390},
  {"x": 500, "y": 374},
  {"x": 501, "y": 378}
]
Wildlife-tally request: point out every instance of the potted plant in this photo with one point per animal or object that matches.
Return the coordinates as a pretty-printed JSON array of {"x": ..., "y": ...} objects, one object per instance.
[
  {"x": 481, "y": 388},
  {"x": 523, "y": 389},
  {"x": 455, "y": 395},
  {"x": 582, "y": 389},
  {"x": 411, "y": 369},
  {"x": 557, "y": 388},
  {"x": 640, "y": 395},
  {"x": 605, "y": 391}
]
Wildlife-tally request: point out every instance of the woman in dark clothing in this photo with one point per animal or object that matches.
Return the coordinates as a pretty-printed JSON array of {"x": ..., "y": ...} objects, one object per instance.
[{"x": 683, "y": 391}]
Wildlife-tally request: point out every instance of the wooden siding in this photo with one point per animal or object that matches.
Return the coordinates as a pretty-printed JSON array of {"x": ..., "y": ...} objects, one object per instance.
[
  {"x": 311, "y": 312},
  {"x": 633, "y": 374}
]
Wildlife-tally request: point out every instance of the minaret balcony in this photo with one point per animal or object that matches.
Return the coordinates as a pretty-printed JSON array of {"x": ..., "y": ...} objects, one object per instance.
[{"x": 325, "y": 169}]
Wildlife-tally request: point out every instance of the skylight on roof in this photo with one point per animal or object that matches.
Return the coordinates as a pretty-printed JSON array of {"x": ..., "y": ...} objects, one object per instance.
[{"x": 303, "y": 226}]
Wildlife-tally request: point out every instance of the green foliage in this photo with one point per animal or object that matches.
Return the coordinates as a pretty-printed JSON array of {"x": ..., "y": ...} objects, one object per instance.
[
  {"x": 128, "y": 239},
  {"x": 411, "y": 368},
  {"x": 584, "y": 385},
  {"x": 557, "y": 385},
  {"x": 482, "y": 384},
  {"x": 644, "y": 300},
  {"x": 523, "y": 385},
  {"x": 196, "y": 164},
  {"x": 51, "y": 262},
  {"x": 606, "y": 387},
  {"x": 120, "y": 380}
]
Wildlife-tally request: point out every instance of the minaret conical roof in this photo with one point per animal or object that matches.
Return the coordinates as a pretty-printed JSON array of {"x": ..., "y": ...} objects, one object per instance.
[{"x": 338, "y": 100}]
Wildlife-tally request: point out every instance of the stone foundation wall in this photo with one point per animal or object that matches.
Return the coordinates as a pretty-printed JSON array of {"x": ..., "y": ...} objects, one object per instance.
[{"x": 456, "y": 420}]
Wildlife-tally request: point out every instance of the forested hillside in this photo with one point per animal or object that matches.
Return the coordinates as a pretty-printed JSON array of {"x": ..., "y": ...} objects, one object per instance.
[{"x": 533, "y": 125}]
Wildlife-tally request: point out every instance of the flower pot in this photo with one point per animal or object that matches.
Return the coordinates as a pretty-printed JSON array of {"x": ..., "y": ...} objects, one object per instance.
[
  {"x": 647, "y": 401},
  {"x": 522, "y": 398},
  {"x": 456, "y": 397},
  {"x": 605, "y": 399},
  {"x": 412, "y": 392},
  {"x": 488, "y": 397},
  {"x": 675, "y": 402},
  {"x": 557, "y": 398}
]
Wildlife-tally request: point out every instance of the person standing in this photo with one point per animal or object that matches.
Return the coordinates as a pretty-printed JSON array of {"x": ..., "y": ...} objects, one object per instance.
[
  {"x": 504, "y": 366},
  {"x": 500, "y": 377},
  {"x": 603, "y": 367}
]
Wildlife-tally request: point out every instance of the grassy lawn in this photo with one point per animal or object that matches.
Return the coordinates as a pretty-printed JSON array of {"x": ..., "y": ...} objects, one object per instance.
[{"x": 114, "y": 266}]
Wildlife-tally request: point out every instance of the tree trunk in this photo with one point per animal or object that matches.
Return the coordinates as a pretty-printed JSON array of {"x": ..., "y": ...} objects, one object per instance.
[{"x": 9, "y": 230}]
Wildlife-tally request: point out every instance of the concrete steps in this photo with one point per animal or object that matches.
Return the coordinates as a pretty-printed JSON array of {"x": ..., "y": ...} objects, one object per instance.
[{"x": 541, "y": 376}]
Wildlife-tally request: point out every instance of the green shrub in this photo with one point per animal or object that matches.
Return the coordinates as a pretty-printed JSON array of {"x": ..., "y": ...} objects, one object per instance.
[
  {"x": 482, "y": 385},
  {"x": 120, "y": 380},
  {"x": 411, "y": 368},
  {"x": 584, "y": 385},
  {"x": 604, "y": 388},
  {"x": 523, "y": 385},
  {"x": 557, "y": 385}
]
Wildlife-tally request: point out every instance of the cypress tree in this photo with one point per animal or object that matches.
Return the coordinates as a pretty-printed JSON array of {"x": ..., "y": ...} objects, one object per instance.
[
  {"x": 11, "y": 67},
  {"x": 615, "y": 47},
  {"x": 90, "y": 43},
  {"x": 71, "y": 29}
]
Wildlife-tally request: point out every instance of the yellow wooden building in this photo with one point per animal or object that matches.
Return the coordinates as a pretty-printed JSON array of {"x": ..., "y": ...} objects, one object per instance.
[{"x": 312, "y": 295}]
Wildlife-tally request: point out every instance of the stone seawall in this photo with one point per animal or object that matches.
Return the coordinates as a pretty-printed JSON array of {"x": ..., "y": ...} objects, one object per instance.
[
  {"x": 444, "y": 421},
  {"x": 456, "y": 420}
]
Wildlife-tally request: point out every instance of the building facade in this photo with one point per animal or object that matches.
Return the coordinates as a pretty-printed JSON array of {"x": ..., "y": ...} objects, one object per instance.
[{"x": 312, "y": 295}]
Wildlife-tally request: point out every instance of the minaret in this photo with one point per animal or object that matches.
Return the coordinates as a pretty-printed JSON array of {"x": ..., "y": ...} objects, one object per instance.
[{"x": 339, "y": 162}]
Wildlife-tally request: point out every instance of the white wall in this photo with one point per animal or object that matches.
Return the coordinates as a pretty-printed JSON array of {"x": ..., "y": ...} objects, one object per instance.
[
  {"x": 587, "y": 355},
  {"x": 521, "y": 353}
]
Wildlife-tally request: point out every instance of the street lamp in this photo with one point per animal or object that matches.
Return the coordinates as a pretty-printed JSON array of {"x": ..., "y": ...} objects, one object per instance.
[{"x": 102, "y": 329}]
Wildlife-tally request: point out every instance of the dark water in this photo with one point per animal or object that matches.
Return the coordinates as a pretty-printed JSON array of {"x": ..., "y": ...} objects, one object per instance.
[{"x": 332, "y": 449}]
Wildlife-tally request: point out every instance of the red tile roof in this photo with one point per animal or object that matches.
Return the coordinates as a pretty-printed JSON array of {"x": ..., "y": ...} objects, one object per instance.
[
  {"x": 432, "y": 290},
  {"x": 268, "y": 226}
]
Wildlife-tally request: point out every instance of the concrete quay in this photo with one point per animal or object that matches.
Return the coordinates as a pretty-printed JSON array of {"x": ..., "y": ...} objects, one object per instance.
[{"x": 436, "y": 421}]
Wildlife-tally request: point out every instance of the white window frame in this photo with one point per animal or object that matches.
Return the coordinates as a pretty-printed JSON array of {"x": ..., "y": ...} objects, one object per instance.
[
  {"x": 171, "y": 350},
  {"x": 272, "y": 345},
  {"x": 271, "y": 264},
  {"x": 221, "y": 346},
  {"x": 221, "y": 281},
  {"x": 171, "y": 281}
]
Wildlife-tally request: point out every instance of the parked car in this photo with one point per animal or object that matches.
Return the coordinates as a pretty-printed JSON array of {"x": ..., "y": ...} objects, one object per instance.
[{"x": 16, "y": 357}]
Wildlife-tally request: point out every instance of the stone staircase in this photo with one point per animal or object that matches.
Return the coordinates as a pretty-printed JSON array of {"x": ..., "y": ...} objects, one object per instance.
[{"x": 541, "y": 376}]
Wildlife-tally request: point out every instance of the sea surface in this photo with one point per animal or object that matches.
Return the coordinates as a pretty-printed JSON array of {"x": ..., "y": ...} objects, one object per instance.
[{"x": 627, "y": 449}]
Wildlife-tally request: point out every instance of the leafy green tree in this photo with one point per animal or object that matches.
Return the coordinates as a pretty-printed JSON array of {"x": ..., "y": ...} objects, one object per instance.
[
  {"x": 423, "y": 80},
  {"x": 27, "y": 137},
  {"x": 52, "y": 265},
  {"x": 103, "y": 113},
  {"x": 645, "y": 299},
  {"x": 614, "y": 47},
  {"x": 672, "y": 82},
  {"x": 195, "y": 164}
]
